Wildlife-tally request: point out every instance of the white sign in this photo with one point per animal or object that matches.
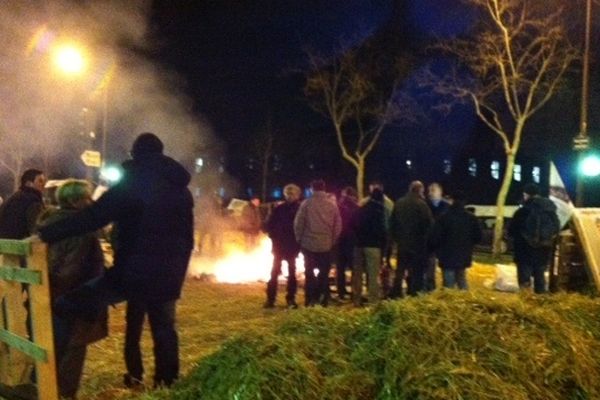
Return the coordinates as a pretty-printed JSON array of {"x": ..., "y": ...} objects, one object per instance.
[{"x": 91, "y": 158}]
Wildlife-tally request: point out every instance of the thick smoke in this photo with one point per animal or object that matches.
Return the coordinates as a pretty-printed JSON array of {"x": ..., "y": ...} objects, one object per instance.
[{"x": 42, "y": 119}]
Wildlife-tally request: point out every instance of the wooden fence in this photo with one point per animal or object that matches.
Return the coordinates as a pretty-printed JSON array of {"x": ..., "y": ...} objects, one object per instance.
[{"x": 25, "y": 293}]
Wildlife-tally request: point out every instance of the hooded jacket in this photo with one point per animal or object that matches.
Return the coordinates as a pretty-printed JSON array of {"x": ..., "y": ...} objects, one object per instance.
[
  {"x": 523, "y": 252},
  {"x": 410, "y": 224},
  {"x": 152, "y": 211},
  {"x": 318, "y": 224}
]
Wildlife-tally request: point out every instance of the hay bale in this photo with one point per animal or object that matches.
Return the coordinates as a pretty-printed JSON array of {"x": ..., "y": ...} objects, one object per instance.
[{"x": 449, "y": 345}]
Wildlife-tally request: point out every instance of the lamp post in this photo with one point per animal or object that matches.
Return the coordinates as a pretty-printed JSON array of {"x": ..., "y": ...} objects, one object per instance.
[{"x": 582, "y": 142}]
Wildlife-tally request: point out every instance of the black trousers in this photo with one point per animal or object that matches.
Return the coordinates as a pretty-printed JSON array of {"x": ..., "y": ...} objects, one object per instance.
[
  {"x": 292, "y": 283},
  {"x": 345, "y": 262},
  {"x": 413, "y": 265},
  {"x": 162, "y": 325},
  {"x": 316, "y": 286}
]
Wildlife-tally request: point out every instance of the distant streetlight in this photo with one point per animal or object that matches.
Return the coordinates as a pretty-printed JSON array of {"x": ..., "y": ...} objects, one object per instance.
[
  {"x": 111, "y": 173},
  {"x": 69, "y": 59},
  {"x": 590, "y": 166}
]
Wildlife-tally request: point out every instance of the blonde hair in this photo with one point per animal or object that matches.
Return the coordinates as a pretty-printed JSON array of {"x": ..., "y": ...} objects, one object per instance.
[
  {"x": 292, "y": 190},
  {"x": 72, "y": 191}
]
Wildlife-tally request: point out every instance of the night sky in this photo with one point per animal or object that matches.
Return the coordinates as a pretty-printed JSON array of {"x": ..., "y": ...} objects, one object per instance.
[{"x": 243, "y": 63}]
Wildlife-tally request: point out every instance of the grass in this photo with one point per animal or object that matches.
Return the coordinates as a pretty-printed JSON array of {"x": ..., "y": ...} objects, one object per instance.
[{"x": 446, "y": 345}]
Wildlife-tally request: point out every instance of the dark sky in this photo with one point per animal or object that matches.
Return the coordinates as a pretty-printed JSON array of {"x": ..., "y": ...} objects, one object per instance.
[{"x": 242, "y": 61}]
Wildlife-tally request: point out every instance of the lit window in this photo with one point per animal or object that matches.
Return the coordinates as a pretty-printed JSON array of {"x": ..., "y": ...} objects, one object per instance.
[
  {"x": 517, "y": 173},
  {"x": 536, "y": 174},
  {"x": 277, "y": 193},
  {"x": 222, "y": 192},
  {"x": 472, "y": 167},
  {"x": 447, "y": 167},
  {"x": 495, "y": 169}
]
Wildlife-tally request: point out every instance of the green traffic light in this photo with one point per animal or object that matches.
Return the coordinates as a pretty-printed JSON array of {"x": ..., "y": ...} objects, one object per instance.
[{"x": 590, "y": 166}]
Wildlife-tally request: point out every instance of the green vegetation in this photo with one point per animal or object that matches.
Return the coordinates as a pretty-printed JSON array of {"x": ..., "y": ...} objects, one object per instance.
[{"x": 449, "y": 345}]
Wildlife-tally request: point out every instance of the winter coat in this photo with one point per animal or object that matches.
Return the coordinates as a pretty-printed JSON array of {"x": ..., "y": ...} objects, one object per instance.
[
  {"x": 439, "y": 210},
  {"x": 369, "y": 225},
  {"x": 71, "y": 263},
  {"x": 152, "y": 211},
  {"x": 410, "y": 224},
  {"x": 280, "y": 228},
  {"x": 19, "y": 213},
  {"x": 318, "y": 223},
  {"x": 348, "y": 208},
  {"x": 453, "y": 237},
  {"x": 523, "y": 252}
]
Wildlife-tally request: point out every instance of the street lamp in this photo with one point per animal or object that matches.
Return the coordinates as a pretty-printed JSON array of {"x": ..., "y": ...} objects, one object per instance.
[
  {"x": 69, "y": 59},
  {"x": 581, "y": 141}
]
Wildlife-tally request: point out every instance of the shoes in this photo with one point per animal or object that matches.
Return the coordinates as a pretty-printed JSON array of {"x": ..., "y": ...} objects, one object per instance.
[
  {"x": 268, "y": 304},
  {"x": 132, "y": 382},
  {"x": 291, "y": 305}
]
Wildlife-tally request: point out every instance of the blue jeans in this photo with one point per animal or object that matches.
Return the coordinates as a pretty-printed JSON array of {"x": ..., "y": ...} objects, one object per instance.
[
  {"x": 455, "y": 278},
  {"x": 526, "y": 271}
]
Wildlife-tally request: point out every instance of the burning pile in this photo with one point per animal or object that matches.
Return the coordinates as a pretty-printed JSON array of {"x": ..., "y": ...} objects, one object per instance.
[
  {"x": 240, "y": 265},
  {"x": 448, "y": 345}
]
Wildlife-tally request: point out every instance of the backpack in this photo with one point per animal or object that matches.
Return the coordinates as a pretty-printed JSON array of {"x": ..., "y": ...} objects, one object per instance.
[{"x": 541, "y": 227}]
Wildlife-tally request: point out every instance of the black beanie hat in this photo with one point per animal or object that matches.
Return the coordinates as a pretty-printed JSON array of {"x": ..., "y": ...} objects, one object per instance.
[
  {"x": 146, "y": 143},
  {"x": 531, "y": 189}
]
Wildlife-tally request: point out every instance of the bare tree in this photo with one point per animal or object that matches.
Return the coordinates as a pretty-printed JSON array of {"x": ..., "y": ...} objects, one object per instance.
[
  {"x": 263, "y": 151},
  {"x": 346, "y": 90},
  {"x": 517, "y": 58}
]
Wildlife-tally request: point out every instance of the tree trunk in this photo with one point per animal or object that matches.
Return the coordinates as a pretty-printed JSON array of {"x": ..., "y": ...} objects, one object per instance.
[
  {"x": 501, "y": 202},
  {"x": 360, "y": 179}
]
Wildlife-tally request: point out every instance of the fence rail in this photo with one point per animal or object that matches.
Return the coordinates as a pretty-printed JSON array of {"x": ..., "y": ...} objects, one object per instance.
[{"x": 26, "y": 337}]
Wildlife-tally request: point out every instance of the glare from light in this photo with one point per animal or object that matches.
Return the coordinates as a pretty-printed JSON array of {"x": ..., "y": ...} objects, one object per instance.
[
  {"x": 590, "y": 166},
  {"x": 111, "y": 174},
  {"x": 69, "y": 59}
]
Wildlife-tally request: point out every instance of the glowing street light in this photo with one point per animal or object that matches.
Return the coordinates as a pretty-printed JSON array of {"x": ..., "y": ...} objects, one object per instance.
[
  {"x": 590, "y": 166},
  {"x": 111, "y": 173},
  {"x": 69, "y": 59}
]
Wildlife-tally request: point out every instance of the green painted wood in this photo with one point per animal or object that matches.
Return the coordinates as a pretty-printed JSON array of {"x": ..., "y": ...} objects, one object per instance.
[
  {"x": 20, "y": 275},
  {"x": 16, "y": 247},
  {"x": 23, "y": 345}
]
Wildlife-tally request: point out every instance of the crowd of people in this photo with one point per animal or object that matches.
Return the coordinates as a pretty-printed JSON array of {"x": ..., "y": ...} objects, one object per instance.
[
  {"x": 151, "y": 214},
  {"x": 425, "y": 231}
]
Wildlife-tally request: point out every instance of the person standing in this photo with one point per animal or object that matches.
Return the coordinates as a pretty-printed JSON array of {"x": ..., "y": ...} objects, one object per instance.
[
  {"x": 317, "y": 227},
  {"x": 533, "y": 228},
  {"x": 370, "y": 230},
  {"x": 152, "y": 211},
  {"x": 348, "y": 206},
  {"x": 251, "y": 223},
  {"x": 438, "y": 207},
  {"x": 19, "y": 213},
  {"x": 409, "y": 227},
  {"x": 454, "y": 235},
  {"x": 71, "y": 263},
  {"x": 280, "y": 228}
]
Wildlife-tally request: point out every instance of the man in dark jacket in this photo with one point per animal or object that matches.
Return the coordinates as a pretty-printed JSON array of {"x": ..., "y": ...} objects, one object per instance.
[
  {"x": 409, "y": 226},
  {"x": 453, "y": 237},
  {"x": 280, "y": 228},
  {"x": 438, "y": 207},
  {"x": 531, "y": 260},
  {"x": 19, "y": 213},
  {"x": 348, "y": 206},
  {"x": 370, "y": 230},
  {"x": 152, "y": 211}
]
